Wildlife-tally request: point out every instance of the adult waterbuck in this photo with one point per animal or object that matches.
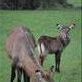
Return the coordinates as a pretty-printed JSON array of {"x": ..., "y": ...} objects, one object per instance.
[
  {"x": 20, "y": 47},
  {"x": 54, "y": 45}
]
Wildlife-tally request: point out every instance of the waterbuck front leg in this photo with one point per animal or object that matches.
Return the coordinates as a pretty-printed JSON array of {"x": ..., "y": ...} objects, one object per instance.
[
  {"x": 19, "y": 74},
  {"x": 57, "y": 61},
  {"x": 13, "y": 68},
  {"x": 26, "y": 77}
]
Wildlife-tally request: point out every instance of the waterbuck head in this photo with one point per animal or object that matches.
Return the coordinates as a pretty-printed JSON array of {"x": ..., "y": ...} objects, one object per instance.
[
  {"x": 64, "y": 33},
  {"x": 65, "y": 29},
  {"x": 48, "y": 77}
]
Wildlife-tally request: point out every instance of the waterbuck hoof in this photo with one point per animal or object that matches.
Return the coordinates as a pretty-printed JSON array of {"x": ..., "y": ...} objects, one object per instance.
[{"x": 57, "y": 70}]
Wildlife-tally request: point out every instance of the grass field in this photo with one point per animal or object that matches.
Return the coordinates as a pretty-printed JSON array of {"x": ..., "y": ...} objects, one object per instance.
[{"x": 44, "y": 23}]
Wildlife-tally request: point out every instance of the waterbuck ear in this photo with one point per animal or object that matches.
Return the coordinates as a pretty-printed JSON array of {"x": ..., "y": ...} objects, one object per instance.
[
  {"x": 72, "y": 26},
  {"x": 59, "y": 26}
]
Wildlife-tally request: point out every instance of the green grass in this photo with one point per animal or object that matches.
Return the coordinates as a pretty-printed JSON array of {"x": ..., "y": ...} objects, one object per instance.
[{"x": 44, "y": 23}]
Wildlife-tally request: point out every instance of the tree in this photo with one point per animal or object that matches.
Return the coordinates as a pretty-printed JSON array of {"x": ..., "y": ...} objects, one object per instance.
[{"x": 32, "y": 4}]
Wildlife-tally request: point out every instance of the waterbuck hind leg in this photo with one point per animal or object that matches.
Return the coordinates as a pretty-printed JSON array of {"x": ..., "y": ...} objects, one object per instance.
[
  {"x": 19, "y": 74},
  {"x": 41, "y": 59},
  {"x": 26, "y": 77},
  {"x": 13, "y": 75}
]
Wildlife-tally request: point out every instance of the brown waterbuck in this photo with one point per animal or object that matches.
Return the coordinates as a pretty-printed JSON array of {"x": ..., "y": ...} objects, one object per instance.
[
  {"x": 54, "y": 45},
  {"x": 20, "y": 47}
]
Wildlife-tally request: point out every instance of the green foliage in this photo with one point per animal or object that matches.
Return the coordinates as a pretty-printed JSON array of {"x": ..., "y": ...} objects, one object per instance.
[{"x": 34, "y": 4}]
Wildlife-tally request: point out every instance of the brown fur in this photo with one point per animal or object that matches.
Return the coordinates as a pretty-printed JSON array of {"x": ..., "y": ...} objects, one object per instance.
[
  {"x": 55, "y": 45},
  {"x": 20, "y": 47}
]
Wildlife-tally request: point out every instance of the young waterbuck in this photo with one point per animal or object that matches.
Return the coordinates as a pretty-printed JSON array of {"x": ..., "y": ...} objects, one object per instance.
[
  {"x": 20, "y": 47},
  {"x": 54, "y": 45}
]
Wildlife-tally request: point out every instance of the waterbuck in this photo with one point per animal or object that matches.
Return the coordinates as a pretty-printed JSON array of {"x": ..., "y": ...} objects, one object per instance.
[
  {"x": 54, "y": 45},
  {"x": 20, "y": 47}
]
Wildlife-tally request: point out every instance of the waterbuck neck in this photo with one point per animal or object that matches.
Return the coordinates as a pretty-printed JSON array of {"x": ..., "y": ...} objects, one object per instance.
[{"x": 65, "y": 39}]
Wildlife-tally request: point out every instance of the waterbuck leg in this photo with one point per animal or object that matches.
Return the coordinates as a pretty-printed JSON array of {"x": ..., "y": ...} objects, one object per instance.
[
  {"x": 42, "y": 60},
  {"x": 56, "y": 65},
  {"x": 13, "y": 67},
  {"x": 58, "y": 59},
  {"x": 19, "y": 74},
  {"x": 26, "y": 77}
]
